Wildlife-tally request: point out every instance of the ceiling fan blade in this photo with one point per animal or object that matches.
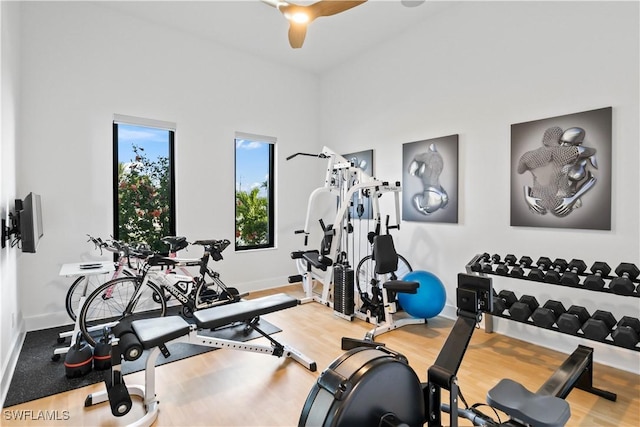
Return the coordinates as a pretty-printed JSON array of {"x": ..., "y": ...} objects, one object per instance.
[
  {"x": 297, "y": 33},
  {"x": 331, "y": 7},
  {"x": 300, "y": 16}
]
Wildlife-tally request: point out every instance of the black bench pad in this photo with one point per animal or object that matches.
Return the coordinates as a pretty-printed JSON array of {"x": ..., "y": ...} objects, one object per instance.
[
  {"x": 215, "y": 317},
  {"x": 317, "y": 260},
  {"x": 159, "y": 330},
  {"x": 535, "y": 409},
  {"x": 402, "y": 286}
]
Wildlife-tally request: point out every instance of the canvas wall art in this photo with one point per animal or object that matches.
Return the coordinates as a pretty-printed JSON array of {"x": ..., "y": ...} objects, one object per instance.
[
  {"x": 364, "y": 161},
  {"x": 561, "y": 171},
  {"x": 430, "y": 180}
]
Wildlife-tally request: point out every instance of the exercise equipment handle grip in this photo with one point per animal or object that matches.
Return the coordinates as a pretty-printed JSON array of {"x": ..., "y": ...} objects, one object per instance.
[{"x": 320, "y": 156}]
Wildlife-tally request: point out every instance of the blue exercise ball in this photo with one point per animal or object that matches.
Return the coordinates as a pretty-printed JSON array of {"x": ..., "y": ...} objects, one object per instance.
[{"x": 430, "y": 299}]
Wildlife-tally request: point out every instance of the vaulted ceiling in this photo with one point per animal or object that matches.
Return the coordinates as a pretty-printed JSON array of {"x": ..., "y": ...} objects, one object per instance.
[{"x": 254, "y": 27}]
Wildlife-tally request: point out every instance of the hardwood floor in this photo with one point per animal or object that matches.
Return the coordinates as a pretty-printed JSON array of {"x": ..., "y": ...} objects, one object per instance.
[{"x": 235, "y": 388}]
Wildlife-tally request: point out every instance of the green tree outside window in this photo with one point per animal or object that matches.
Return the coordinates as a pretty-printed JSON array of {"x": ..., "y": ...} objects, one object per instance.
[{"x": 144, "y": 203}]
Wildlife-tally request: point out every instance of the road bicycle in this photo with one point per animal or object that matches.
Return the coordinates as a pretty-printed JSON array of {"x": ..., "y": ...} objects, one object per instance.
[
  {"x": 127, "y": 264},
  {"x": 146, "y": 295}
]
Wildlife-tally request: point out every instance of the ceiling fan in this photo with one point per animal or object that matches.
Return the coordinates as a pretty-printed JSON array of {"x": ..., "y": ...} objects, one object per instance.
[{"x": 300, "y": 16}]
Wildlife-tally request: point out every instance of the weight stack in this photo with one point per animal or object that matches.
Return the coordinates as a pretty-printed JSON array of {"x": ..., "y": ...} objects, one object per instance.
[{"x": 343, "y": 303}]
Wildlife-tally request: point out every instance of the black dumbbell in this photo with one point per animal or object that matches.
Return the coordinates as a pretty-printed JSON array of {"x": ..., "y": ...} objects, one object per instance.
[
  {"x": 503, "y": 301},
  {"x": 595, "y": 280},
  {"x": 546, "y": 315},
  {"x": 523, "y": 308},
  {"x": 627, "y": 332},
  {"x": 556, "y": 270},
  {"x": 503, "y": 267},
  {"x": 598, "y": 326},
  {"x": 518, "y": 270},
  {"x": 575, "y": 268},
  {"x": 623, "y": 284},
  {"x": 571, "y": 321},
  {"x": 537, "y": 272},
  {"x": 487, "y": 267},
  {"x": 482, "y": 259}
]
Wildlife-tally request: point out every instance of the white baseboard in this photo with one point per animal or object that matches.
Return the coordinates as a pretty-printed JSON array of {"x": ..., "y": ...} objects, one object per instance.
[{"x": 10, "y": 366}]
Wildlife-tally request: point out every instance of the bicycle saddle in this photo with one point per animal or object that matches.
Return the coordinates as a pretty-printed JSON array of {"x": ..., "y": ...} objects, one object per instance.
[
  {"x": 176, "y": 243},
  {"x": 515, "y": 400}
]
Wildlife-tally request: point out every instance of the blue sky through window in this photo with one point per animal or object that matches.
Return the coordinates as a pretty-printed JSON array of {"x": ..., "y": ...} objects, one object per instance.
[
  {"x": 252, "y": 164},
  {"x": 154, "y": 141}
]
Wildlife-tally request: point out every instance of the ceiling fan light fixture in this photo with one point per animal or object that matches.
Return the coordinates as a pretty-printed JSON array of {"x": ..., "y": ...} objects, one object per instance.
[{"x": 298, "y": 17}]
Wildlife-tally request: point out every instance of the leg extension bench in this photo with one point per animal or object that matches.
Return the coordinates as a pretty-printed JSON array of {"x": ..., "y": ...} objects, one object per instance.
[{"x": 154, "y": 334}]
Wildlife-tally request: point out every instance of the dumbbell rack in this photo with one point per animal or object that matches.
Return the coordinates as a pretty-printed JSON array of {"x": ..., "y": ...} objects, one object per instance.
[{"x": 488, "y": 266}]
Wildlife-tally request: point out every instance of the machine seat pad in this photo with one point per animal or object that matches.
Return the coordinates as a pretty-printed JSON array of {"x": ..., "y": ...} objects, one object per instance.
[
  {"x": 159, "y": 330},
  {"x": 402, "y": 286},
  {"x": 534, "y": 409},
  {"x": 241, "y": 311},
  {"x": 317, "y": 260}
]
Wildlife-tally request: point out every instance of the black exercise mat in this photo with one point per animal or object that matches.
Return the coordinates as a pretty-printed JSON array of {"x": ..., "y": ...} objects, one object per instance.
[{"x": 37, "y": 375}]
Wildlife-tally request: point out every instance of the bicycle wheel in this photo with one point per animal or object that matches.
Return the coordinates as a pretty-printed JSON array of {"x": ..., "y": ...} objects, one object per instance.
[
  {"x": 118, "y": 299},
  {"x": 366, "y": 278},
  {"x": 72, "y": 300}
]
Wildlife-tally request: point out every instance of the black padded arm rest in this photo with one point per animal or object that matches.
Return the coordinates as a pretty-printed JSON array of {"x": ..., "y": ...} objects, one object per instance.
[
  {"x": 240, "y": 311},
  {"x": 402, "y": 286},
  {"x": 159, "y": 330},
  {"x": 317, "y": 260}
]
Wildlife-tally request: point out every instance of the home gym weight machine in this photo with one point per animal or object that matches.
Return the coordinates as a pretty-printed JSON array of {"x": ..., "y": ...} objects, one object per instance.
[
  {"x": 331, "y": 264},
  {"x": 371, "y": 385}
]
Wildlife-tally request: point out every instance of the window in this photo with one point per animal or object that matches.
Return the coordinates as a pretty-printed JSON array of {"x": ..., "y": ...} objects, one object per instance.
[
  {"x": 255, "y": 191},
  {"x": 143, "y": 180}
]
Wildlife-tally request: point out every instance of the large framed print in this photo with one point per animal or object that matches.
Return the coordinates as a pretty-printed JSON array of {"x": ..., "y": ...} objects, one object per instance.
[
  {"x": 430, "y": 180},
  {"x": 561, "y": 171}
]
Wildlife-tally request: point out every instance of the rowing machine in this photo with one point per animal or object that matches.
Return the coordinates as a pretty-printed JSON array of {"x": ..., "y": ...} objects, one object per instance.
[{"x": 376, "y": 386}]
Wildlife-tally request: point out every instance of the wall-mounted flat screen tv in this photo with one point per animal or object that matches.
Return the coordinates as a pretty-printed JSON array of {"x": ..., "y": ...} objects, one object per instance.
[{"x": 30, "y": 219}]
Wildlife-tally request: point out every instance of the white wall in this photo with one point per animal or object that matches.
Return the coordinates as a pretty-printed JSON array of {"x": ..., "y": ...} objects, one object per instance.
[
  {"x": 10, "y": 314},
  {"x": 81, "y": 64},
  {"x": 473, "y": 70}
]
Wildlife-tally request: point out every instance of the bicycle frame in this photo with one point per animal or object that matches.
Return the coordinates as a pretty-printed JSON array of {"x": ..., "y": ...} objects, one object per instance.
[{"x": 190, "y": 291}]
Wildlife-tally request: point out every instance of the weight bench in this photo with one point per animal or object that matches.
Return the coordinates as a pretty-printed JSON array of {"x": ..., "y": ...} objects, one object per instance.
[{"x": 154, "y": 334}]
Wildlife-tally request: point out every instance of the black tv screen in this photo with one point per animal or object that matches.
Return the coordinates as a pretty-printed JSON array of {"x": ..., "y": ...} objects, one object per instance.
[{"x": 30, "y": 218}]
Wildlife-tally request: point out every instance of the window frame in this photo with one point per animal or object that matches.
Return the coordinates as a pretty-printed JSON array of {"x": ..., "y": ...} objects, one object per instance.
[
  {"x": 149, "y": 123},
  {"x": 271, "y": 190}
]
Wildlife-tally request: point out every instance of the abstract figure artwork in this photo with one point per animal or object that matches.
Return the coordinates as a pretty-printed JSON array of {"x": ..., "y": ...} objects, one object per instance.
[
  {"x": 564, "y": 177},
  {"x": 430, "y": 180},
  {"x": 363, "y": 160}
]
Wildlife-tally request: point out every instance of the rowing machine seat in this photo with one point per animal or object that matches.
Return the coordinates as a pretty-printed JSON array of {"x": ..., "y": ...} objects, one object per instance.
[{"x": 533, "y": 409}]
